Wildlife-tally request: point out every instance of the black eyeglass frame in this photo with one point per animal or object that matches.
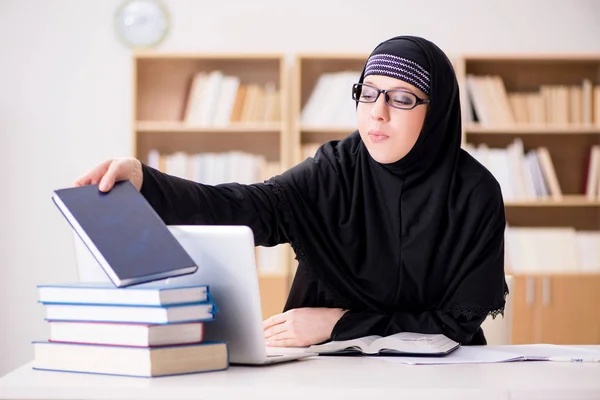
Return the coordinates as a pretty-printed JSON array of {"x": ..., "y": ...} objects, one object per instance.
[{"x": 357, "y": 89}]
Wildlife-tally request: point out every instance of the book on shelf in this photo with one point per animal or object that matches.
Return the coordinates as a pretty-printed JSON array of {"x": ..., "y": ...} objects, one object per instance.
[
  {"x": 131, "y": 361},
  {"x": 218, "y": 100},
  {"x": 491, "y": 104},
  {"x": 152, "y": 294},
  {"x": 330, "y": 103},
  {"x": 126, "y": 333},
  {"x": 123, "y": 233},
  {"x": 213, "y": 168},
  {"x": 403, "y": 343},
  {"x": 592, "y": 181}
]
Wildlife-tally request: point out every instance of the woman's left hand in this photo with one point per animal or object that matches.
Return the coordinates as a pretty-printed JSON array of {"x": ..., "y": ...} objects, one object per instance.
[{"x": 301, "y": 326}]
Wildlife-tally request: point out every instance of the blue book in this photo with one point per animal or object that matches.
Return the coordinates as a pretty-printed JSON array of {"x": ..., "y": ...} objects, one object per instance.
[{"x": 125, "y": 235}]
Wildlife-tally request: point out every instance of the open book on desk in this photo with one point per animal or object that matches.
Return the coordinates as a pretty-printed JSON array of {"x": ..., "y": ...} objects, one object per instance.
[{"x": 404, "y": 343}]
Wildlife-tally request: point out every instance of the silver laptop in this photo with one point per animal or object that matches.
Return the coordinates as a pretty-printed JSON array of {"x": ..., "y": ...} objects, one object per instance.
[{"x": 226, "y": 262}]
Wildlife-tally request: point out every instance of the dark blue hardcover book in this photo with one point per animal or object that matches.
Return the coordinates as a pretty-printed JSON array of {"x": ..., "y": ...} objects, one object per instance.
[{"x": 125, "y": 235}]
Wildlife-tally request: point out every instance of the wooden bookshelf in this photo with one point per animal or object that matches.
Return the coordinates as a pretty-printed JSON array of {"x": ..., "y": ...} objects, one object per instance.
[
  {"x": 161, "y": 93},
  {"x": 523, "y": 129},
  {"x": 548, "y": 307},
  {"x": 161, "y": 88}
]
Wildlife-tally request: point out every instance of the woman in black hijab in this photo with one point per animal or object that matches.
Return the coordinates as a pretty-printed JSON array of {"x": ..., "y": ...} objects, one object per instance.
[{"x": 395, "y": 228}]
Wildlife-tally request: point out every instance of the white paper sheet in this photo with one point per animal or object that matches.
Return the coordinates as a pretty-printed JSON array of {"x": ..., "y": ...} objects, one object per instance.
[{"x": 496, "y": 354}]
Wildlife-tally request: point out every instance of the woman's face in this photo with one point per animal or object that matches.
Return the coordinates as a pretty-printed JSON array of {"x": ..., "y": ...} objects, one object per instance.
[{"x": 389, "y": 133}]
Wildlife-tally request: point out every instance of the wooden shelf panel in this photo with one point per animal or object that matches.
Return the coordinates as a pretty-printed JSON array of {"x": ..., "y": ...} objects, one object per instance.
[
  {"x": 548, "y": 58},
  {"x": 156, "y": 55},
  {"x": 327, "y": 129},
  {"x": 567, "y": 201},
  {"x": 476, "y": 129},
  {"x": 585, "y": 217},
  {"x": 323, "y": 134},
  {"x": 557, "y": 274},
  {"x": 176, "y": 126}
]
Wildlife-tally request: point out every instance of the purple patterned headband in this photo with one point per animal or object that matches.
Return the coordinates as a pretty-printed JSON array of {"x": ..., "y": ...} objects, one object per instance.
[{"x": 399, "y": 68}]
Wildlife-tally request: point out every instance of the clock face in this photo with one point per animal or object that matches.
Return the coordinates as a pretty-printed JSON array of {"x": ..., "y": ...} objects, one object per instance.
[{"x": 142, "y": 23}]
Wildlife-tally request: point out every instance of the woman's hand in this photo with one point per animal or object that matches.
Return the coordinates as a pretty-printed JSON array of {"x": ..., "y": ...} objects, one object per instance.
[
  {"x": 301, "y": 326},
  {"x": 110, "y": 171}
]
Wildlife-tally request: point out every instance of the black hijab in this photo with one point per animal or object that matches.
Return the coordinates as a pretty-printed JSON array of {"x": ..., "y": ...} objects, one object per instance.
[{"x": 414, "y": 245}]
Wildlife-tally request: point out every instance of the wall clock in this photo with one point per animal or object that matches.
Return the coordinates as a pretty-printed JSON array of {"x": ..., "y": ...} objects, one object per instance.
[{"x": 142, "y": 23}]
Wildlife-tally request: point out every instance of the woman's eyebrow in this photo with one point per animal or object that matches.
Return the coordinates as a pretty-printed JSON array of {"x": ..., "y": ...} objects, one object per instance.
[{"x": 392, "y": 88}]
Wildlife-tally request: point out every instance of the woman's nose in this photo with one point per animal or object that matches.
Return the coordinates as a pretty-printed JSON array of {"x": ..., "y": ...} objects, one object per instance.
[{"x": 380, "y": 110}]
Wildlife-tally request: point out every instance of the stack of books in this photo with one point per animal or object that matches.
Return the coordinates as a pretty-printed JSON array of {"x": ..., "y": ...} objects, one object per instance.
[{"x": 145, "y": 330}]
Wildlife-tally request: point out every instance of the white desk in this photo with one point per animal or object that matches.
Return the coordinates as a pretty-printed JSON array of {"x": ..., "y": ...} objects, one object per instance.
[{"x": 324, "y": 378}]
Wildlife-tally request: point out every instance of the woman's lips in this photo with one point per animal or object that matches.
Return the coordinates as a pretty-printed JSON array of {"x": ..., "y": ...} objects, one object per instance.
[{"x": 377, "y": 136}]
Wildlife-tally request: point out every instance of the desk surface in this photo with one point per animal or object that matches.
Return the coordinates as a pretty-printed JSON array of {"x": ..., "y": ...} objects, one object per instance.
[{"x": 324, "y": 377}]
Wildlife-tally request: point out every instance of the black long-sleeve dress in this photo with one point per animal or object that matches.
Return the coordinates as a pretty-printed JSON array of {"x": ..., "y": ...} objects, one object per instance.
[{"x": 348, "y": 258}]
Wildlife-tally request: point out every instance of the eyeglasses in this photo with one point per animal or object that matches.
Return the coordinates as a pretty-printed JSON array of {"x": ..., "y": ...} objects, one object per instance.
[{"x": 396, "y": 98}]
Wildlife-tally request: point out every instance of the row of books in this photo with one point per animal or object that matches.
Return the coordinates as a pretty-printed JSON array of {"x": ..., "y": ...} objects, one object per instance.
[
  {"x": 552, "y": 250},
  {"x": 216, "y": 168},
  {"x": 526, "y": 175},
  {"x": 213, "y": 168},
  {"x": 522, "y": 175},
  {"x": 330, "y": 103},
  {"x": 146, "y": 330},
  {"x": 217, "y": 100},
  {"x": 491, "y": 104}
]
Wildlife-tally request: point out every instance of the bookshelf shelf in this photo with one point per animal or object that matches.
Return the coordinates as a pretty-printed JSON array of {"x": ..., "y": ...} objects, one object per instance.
[
  {"x": 326, "y": 130},
  {"x": 567, "y": 201},
  {"x": 474, "y": 129},
  {"x": 176, "y": 126}
]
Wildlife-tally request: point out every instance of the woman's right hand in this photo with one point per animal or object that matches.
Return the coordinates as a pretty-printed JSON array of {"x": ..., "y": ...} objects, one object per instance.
[{"x": 113, "y": 170}]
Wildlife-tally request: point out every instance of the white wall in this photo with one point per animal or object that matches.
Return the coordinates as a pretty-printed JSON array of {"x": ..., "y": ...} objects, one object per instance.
[{"x": 65, "y": 90}]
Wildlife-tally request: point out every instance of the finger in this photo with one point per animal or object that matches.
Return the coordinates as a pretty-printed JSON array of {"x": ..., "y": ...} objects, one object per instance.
[
  {"x": 94, "y": 175},
  {"x": 274, "y": 320},
  {"x": 275, "y": 330},
  {"x": 283, "y": 335},
  {"x": 108, "y": 180},
  {"x": 290, "y": 342}
]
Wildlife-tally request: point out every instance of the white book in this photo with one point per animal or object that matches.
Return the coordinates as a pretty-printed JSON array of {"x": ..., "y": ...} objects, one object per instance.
[
  {"x": 593, "y": 175},
  {"x": 404, "y": 343},
  {"x": 125, "y": 334},
  {"x": 311, "y": 111},
  {"x": 226, "y": 100}
]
